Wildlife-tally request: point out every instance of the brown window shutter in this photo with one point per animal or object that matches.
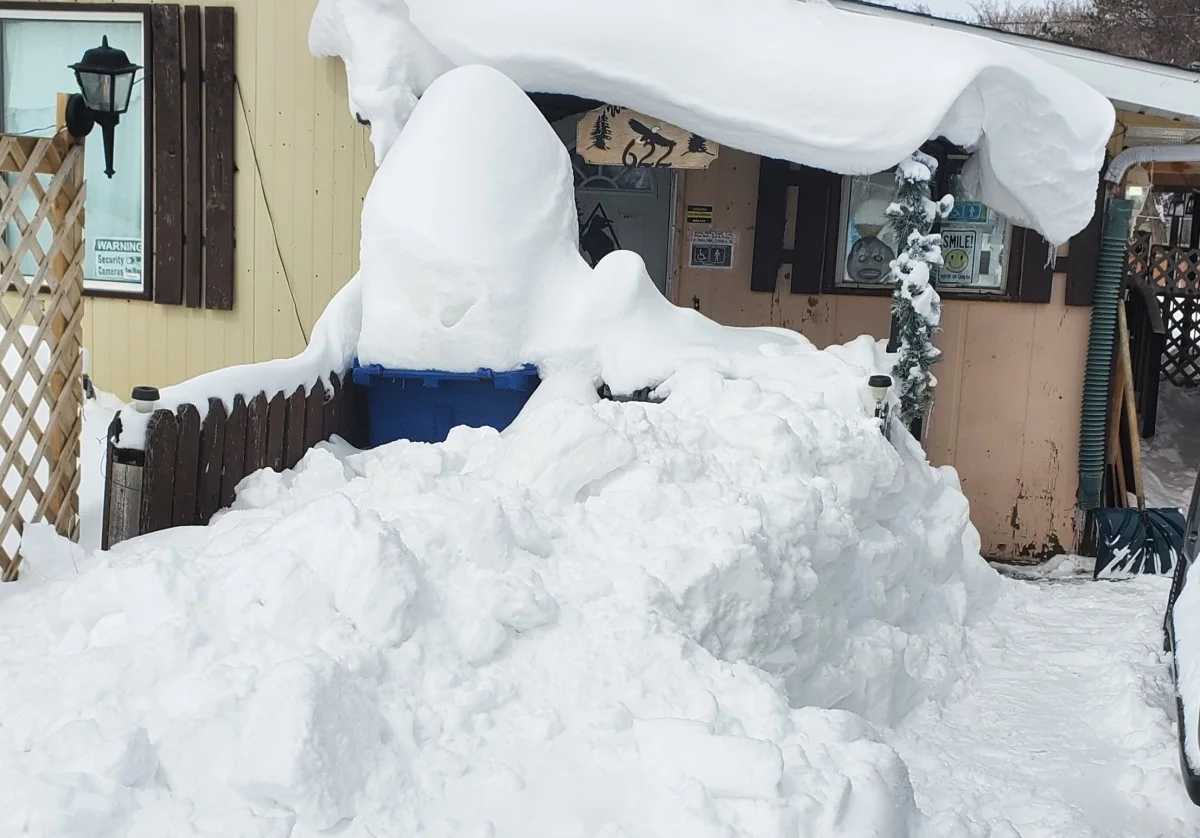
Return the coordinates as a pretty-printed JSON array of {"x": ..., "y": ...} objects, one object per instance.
[
  {"x": 193, "y": 164},
  {"x": 818, "y": 226},
  {"x": 219, "y": 117},
  {"x": 1030, "y": 279},
  {"x": 1083, "y": 257},
  {"x": 770, "y": 222},
  {"x": 166, "y": 173}
]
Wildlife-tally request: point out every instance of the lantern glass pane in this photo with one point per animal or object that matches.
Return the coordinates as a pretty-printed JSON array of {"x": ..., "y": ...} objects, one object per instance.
[
  {"x": 122, "y": 86},
  {"x": 97, "y": 91}
]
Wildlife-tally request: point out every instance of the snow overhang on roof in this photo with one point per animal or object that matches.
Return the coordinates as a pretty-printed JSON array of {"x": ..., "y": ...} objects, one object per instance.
[
  {"x": 771, "y": 77},
  {"x": 1141, "y": 86}
]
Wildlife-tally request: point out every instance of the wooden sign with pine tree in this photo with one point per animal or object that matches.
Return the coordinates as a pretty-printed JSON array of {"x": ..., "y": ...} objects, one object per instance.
[{"x": 617, "y": 136}]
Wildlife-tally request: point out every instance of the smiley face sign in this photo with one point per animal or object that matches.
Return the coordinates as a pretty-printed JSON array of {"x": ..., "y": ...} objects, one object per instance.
[
  {"x": 956, "y": 260},
  {"x": 959, "y": 249}
]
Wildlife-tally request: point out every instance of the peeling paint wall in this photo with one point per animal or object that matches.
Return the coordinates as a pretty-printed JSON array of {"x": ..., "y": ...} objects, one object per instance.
[{"x": 1010, "y": 382}]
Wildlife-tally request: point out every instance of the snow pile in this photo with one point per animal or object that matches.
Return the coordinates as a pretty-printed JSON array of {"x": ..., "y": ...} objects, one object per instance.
[
  {"x": 458, "y": 242},
  {"x": 779, "y": 84},
  {"x": 470, "y": 255},
  {"x": 613, "y": 619}
]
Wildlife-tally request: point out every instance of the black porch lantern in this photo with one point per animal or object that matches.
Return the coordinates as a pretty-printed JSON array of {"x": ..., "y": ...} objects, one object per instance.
[{"x": 105, "y": 79}]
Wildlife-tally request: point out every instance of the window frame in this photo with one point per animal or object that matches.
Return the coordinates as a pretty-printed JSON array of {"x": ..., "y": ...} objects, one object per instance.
[
  {"x": 116, "y": 13},
  {"x": 1008, "y": 292}
]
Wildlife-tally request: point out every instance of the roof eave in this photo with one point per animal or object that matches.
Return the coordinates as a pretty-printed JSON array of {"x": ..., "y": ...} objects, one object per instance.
[{"x": 1141, "y": 86}]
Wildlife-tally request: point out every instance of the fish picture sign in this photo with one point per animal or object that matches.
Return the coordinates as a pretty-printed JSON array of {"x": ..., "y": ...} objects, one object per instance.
[{"x": 617, "y": 136}]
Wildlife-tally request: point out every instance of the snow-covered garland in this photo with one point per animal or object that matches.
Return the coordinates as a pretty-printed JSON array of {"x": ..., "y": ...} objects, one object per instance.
[{"x": 915, "y": 303}]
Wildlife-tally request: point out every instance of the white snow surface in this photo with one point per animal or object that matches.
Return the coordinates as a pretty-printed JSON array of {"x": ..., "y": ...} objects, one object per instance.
[
  {"x": 470, "y": 255},
  {"x": 612, "y": 619},
  {"x": 1064, "y": 723},
  {"x": 239, "y": 680},
  {"x": 795, "y": 80},
  {"x": 1171, "y": 457}
]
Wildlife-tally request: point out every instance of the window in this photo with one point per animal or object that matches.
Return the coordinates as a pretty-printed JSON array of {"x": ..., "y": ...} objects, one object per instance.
[
  {"x": 602, "y": 178},
  {"x": 36, "y": 48},
  {"x": 975, "y": 239}
]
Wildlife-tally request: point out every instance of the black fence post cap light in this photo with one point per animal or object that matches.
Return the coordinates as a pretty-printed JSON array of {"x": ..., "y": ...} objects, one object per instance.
[{"x": 105, "y": 78}]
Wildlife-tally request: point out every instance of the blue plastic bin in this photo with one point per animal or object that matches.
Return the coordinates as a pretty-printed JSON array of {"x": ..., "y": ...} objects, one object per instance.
[{"x": 423, "y": 405}]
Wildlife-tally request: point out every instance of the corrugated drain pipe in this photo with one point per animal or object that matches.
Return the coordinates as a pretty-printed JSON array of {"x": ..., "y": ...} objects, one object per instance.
[
  {"x": 1098, "y": 372},
  {"x": 1110, "y": 272}
]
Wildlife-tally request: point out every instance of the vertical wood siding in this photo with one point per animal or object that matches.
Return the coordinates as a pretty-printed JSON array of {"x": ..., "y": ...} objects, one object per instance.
[{"x": 315, "y": 162}]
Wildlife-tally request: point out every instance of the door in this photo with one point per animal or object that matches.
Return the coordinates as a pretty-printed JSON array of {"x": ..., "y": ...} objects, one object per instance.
[{"x": 621, "y": 209}]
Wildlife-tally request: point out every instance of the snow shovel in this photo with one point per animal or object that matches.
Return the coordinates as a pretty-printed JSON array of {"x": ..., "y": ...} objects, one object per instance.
[
  {"x": 1133, "y": 541},
  {"x": 1136, "y": 541}
]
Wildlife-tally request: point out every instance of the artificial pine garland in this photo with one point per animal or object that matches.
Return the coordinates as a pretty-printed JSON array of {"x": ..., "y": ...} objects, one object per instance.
[{"x": 915, "y": 303}]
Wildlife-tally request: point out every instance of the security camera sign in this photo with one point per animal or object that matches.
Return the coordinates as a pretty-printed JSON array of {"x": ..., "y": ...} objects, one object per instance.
[
  {"x": 118, "y": 260},
  {"x": 960, "y": 255}
]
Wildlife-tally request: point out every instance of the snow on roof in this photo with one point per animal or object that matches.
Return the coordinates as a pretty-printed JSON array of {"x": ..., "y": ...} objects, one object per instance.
[{"x": 802, "y": 81}]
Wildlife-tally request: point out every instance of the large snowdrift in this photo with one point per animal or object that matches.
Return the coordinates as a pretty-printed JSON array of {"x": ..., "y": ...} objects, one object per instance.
[
  {"x": 470, "y": 255},
  {"x": 801, "y": 81},
  {"x": 613, "y": 619}
]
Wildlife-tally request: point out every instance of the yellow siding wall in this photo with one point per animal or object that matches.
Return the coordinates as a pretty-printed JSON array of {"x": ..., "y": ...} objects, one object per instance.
[
  {"x": 1010, "y": 383},
  {"x": 315, "y": 162}
]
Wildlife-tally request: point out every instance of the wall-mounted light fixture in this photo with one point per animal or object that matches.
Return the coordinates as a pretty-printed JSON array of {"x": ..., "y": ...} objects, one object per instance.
[{"x": 105, "y": 79}]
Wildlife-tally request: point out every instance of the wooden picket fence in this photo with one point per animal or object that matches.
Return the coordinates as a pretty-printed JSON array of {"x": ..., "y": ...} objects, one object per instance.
[
  {"x": 189, "y": 468},
  {"x": 41, "y": 349}
]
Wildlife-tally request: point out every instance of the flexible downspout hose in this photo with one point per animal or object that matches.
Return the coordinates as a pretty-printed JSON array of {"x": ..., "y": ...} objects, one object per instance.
[
  {"x": 1131, "y": 157},
  {"x": 1098, "y": 372}
]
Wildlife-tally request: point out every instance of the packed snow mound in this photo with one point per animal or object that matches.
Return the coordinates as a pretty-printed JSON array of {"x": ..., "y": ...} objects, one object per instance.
[
  {"x": 612, "y": 619},
  {"x": 470, "y": 255},
  {"x": 457, "y": 240},
  {"x": 779, "y": 84}
]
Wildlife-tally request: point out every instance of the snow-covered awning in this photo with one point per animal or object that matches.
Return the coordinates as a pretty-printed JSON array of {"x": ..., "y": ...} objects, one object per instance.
[{"x": 801, "y": 81}]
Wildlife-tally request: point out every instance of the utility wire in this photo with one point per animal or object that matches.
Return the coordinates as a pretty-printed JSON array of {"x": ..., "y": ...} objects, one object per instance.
[{"x": 270, "y": 218}]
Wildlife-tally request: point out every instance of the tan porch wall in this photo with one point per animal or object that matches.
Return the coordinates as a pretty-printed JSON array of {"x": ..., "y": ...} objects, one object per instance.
[{"x": 1010, "y": 382}]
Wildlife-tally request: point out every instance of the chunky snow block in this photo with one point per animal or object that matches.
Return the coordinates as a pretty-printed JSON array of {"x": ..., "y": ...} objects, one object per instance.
[{"x": 423, "y": 405}]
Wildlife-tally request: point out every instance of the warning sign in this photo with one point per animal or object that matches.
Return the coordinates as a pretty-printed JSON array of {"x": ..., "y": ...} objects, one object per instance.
[
  {"x": 960, "y": 256},
  {"x": 699, "y": 214},
  {"x": 118, "y": 260}
]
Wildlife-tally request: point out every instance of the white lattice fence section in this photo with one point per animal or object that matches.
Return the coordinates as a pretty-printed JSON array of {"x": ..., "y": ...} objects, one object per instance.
[{"x": 41, "y": 398}]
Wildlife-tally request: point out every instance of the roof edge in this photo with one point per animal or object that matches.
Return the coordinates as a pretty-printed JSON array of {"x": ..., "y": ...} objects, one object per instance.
[{"x": 1129, "y": 82}]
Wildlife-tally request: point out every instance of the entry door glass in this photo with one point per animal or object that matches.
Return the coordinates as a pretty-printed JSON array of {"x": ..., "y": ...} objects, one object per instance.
[{"x": 621, "y": 209}]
